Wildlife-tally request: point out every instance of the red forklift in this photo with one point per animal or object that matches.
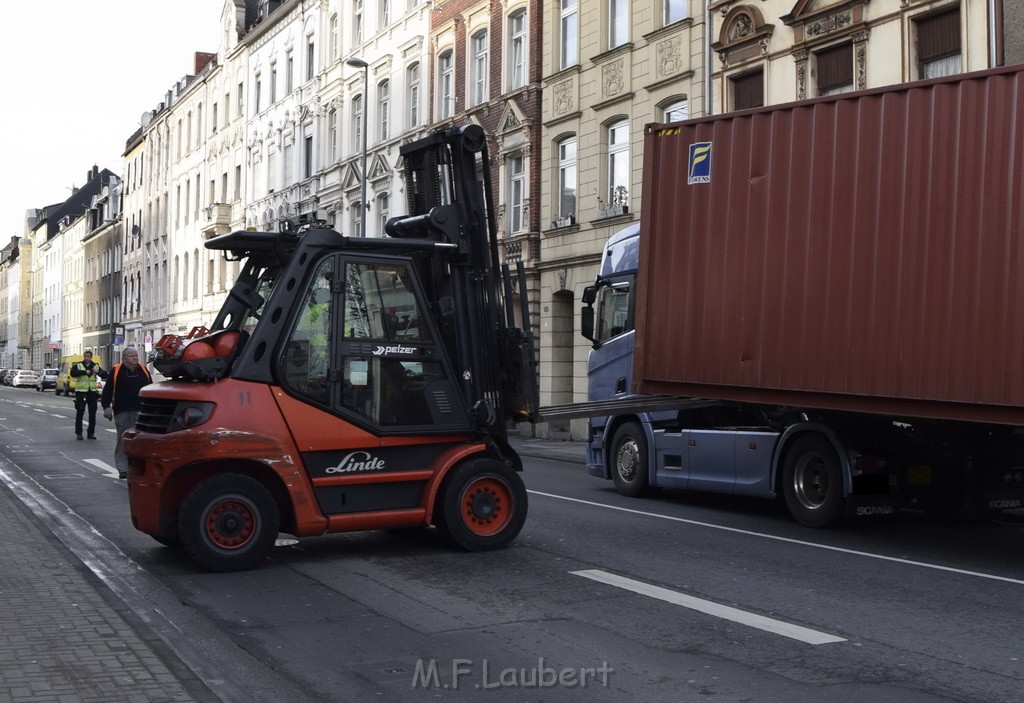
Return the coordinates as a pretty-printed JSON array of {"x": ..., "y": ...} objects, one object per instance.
[{"x": 348, "y": 383}]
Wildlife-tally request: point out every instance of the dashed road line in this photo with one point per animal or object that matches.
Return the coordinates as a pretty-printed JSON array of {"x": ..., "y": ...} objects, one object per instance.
[{"x": 743, "y": 617}]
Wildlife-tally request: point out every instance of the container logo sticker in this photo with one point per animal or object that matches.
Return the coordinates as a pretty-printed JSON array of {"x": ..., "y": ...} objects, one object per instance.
[{"x": 699, "y": 165}]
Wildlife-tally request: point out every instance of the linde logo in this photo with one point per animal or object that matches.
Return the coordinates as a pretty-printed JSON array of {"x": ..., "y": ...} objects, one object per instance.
[
  {"x": 355, "y": 462},
  {"x": 397, "y": 349}
]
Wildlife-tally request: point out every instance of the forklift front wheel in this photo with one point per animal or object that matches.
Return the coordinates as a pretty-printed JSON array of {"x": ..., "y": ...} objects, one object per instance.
[
  {"x": 228, "y": 522},
  {"x": 482, "y": 505}
]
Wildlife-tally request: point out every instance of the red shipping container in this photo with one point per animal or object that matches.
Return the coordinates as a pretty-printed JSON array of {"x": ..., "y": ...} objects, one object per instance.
[{"x": 861, "y": 252}]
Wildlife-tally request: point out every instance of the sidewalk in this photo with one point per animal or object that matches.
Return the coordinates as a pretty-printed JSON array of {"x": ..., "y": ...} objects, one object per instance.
[
  {"x": 557, "y": 450},
  {"x": 62, "y": 642}
]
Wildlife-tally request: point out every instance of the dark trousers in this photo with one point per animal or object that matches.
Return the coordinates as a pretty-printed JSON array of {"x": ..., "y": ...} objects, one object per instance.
[{"x": 83, "y": 401}]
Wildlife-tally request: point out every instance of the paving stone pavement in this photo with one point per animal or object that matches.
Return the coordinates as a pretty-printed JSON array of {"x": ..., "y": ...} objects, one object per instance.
[{"x": 64, "y": 638}]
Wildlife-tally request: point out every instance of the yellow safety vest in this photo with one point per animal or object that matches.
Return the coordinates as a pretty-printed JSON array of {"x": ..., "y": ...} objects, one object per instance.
[{"x": 85, "y": 383}]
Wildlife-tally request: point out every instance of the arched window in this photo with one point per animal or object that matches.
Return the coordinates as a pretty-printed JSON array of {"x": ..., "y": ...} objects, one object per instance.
[{"x": 478, "y": 68}]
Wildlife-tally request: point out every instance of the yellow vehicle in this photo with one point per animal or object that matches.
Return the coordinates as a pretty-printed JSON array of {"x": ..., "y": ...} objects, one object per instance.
[{"x": 65, "y": 383}]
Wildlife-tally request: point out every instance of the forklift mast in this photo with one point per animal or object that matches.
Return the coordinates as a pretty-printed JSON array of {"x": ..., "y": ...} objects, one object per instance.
[{"x": 469, "y": 290}]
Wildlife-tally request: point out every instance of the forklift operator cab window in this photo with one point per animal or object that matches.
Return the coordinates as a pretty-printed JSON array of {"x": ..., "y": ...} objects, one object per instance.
[
  {"x": 381, "y": 307},
  {"x": 306, "y": 361},
  {"x": 378, "y": 305},
  {"x": 614, "y": 315}
]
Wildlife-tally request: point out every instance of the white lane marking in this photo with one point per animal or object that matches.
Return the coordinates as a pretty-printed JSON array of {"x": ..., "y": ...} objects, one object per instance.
[
  {"x": 802, "y": 543},
  {"x": 62, "y": 417},
  {"x": 39, "y": 410},
  {"x": 108, "y": 470},
  {"x": 708, "y": 607}
]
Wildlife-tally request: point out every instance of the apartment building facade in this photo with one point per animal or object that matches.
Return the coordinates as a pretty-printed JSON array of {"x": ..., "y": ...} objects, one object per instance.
[{"x": 610, "y": 67}]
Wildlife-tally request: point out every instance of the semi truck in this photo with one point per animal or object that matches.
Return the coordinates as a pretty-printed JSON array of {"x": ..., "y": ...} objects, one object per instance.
[
  {"x": 823, "y": 301},
  {"x": 348, "y": 383}
]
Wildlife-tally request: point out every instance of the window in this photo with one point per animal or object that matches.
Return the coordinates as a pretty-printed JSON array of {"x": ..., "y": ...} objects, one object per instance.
[
  {"x": 380, "y": 305},
  {"x": 289, "y": 159},
  {"x": 289, "y": 76},
  {"x": 334, "y": 36},
  {"x": 618, "y": 164},
  {"x": 310, "y": 59},
  {"x": 383, "y": 211},
  {"x": 478, "y": 69},
  {"x": 305, "y": 361},
  {"x": 567, "y": 178},
  {"x": 675, "y": 10},
  {"x": 357, "y": 220},
  {"x": 357, "y": 22},
  {"x": 516, "y": 191},
  {"x": 569, "y": 52},
  {"x": 238, "y": 182},
  {"x": 676, "y": 112},
  {"x": 273, "y": 83},
  {"x": 224, "y": 187},
  {"x": 618, "y": 23},
  {"x": 199, "y": 125},
  {"x": 241, "y": 103},
  {"x": 213, "y": 119},
  {"x": 384, "y": 13},
  {"x": 445, "y": 97},
  {"x": 332, "y": 136},
  {"x": 259, "y": 90},
  {"x": 383, "y": 103},
  {"x": 748, "y": 90},
  {"x": 357, "y": 123},
  {"x": 938, "y": 44},
  {"x": 613, "y": 312},
  {"x": 835, "y": 69},
  {"x": 413, "y": 82},
  {"x": 307, "y": 157},
  {"x": 517, "y": 50}
]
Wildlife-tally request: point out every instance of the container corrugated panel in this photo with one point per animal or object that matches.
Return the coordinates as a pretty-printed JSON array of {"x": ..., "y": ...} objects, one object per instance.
[{"x": 859, "y": 253}]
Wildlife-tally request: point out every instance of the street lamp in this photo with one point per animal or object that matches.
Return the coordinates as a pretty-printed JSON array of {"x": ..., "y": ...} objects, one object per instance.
[{"x": 357, "y": 62}]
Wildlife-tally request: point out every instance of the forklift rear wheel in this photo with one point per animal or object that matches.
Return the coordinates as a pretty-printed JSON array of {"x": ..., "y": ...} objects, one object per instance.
[
  {"x": 629, "y": 461},
  {"x": 482, "y": 505},
  {"x": 228, "y": 522}
]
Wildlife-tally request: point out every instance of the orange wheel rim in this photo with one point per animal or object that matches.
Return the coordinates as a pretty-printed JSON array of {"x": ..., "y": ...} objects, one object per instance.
[
  {"x": 231, "y": 524},
  {"x": 487, "y": 506}
]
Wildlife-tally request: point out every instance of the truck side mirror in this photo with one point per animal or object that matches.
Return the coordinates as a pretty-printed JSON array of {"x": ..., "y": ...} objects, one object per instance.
[{"x": 587, "y": 322}]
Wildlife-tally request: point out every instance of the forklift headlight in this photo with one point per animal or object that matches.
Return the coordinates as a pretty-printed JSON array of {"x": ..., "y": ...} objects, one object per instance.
[{"x": 190, "y": 414}]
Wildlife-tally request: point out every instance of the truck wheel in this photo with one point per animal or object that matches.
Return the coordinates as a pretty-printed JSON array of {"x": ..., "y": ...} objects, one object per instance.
[
  {"x": 813, "y": 482},
  {"x": 628, "y": 461},
  {"x": 228, "y": 522},
  {"x": 481, "y": 506}
]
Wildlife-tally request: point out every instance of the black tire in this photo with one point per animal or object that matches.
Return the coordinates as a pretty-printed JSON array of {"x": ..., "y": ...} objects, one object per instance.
[
  {"x": 228, "y": 522},
  {"x": 172, "y": 542},
  {"x": 813, "y": 482},
  {"x": 627, "y": 461},
  {"x": 481, "y": 506}
]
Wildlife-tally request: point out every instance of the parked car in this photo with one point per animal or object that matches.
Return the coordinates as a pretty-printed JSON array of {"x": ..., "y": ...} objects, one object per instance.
[
  {"x": 47, "y": 379},
  {"x": 9, "y": 376},
  {"x": 24, "y": 379},
  {"x": 3, "y": 374}
]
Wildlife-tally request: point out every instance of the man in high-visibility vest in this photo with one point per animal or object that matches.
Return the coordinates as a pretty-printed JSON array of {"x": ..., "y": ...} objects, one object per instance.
[
  {"x": 121, "y": 401},
  {"x": 85, "y": 374}
]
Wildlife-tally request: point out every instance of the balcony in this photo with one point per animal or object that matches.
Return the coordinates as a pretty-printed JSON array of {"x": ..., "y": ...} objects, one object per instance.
[{"x": 218, "y": 220}]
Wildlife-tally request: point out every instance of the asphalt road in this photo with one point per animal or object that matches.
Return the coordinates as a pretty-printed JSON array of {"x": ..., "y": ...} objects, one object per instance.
[{"x": 602, "y": 598}]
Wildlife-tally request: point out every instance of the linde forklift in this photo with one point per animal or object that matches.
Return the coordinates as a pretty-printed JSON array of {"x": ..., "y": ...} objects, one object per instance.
[{"x": 348, "y": 383}]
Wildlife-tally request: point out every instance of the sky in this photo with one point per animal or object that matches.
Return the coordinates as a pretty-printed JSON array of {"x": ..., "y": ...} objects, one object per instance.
[{"x": 78, "y": 74}]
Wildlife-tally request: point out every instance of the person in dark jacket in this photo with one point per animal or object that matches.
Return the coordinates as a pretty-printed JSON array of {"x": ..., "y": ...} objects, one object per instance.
[{"x": 121, "y": 402}]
